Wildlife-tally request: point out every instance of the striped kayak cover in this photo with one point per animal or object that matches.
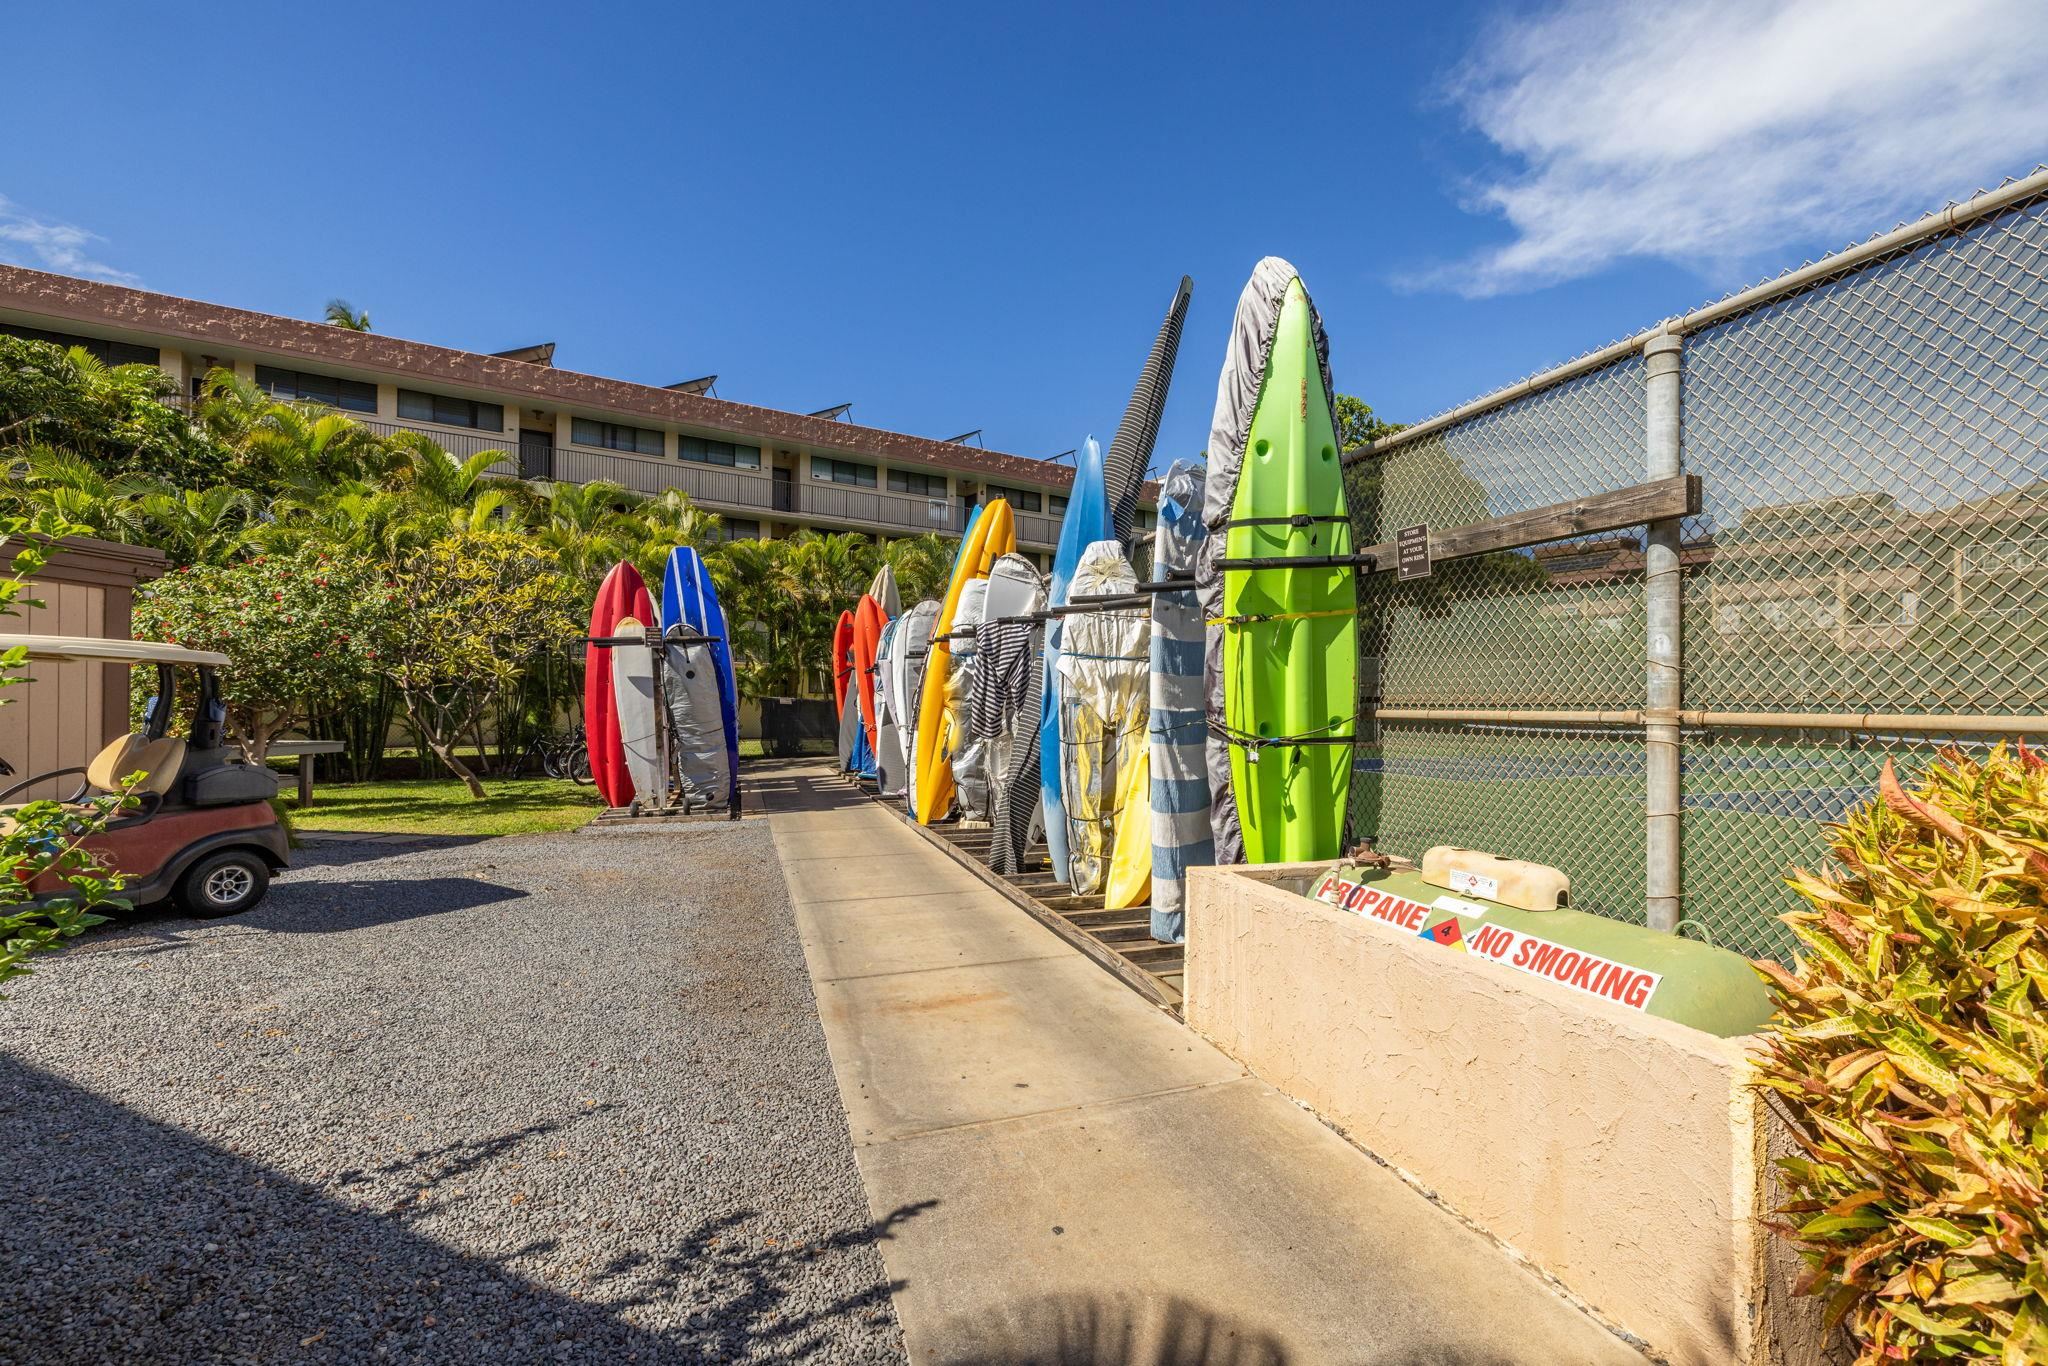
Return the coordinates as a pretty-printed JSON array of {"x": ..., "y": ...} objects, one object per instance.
[
  {"x": 1181, "y": 838},
  {"x": 1017, "y": 787}
]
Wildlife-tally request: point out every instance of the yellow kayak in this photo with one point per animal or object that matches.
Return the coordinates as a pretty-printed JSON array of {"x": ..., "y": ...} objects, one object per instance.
[
  {"x": 1130, "y": 862},
  {"x": 993, "y": 536}
]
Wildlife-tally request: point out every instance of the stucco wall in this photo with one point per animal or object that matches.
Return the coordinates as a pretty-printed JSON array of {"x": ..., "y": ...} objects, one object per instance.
[{"x": 1621, "y": 1153}]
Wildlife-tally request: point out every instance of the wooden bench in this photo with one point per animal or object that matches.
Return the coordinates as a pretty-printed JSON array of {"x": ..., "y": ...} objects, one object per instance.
[{"x": 304, "y": 751}]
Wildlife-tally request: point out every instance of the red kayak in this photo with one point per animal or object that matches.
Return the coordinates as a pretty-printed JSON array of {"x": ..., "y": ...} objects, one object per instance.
[
  {"x": 868, "y": 621},
  {"x": 842, "y": 660},
  {"x": 622, "y": 594}
]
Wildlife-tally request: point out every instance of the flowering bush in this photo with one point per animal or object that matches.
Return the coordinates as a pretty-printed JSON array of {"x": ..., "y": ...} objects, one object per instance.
[
  {"x": 299, "y": 630},
  {"x": 42, "y": 842}
]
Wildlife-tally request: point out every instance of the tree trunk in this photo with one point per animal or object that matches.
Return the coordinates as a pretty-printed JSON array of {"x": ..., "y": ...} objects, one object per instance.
[
  {"x": 430, "y": 737},
  {"x": 446, "y": 754}
]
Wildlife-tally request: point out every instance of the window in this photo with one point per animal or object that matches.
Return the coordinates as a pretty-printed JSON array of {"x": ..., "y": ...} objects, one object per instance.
[
  {"x": 908, "y": 481},
  {"x": 443, "y": 411},
  {"x": 740, "y": 529},
  {"x": 725, "y": 453},
  {"x": 1021, "y": 500},
  {"x": 843, "y": 472},
  {"x": 1056, "y": 503},
  {"x": 108, "y": 352},
  {"x": 614, "y": 436},
  {"x": 352, "y": 394},
  {"x": 1147, "y": 519}
]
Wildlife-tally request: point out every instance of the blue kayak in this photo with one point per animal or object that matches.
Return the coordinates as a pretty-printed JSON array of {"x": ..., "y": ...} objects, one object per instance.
[{"x": 1086, "y": 521}]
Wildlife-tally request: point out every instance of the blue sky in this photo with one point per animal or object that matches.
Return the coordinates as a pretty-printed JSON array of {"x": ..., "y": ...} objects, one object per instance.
[{"x": 956, "y": 217}]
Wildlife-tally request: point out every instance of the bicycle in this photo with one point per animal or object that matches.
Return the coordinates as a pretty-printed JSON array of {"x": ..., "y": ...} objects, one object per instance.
[{"x": 564, "y": 756}]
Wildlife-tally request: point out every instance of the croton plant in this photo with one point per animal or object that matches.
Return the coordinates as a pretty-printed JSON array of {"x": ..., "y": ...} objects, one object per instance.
[{"x": 1911, "y": 1061}]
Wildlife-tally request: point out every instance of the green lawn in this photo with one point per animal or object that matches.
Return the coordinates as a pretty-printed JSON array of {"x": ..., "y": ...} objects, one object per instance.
[{"x": 442, "y": 806}]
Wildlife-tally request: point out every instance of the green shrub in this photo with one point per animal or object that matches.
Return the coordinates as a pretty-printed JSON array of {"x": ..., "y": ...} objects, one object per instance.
[{"x": 1909, "y": 1058}]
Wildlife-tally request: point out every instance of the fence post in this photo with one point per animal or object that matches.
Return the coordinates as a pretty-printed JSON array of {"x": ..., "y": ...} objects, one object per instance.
[{"x": 1663, "y": 602}]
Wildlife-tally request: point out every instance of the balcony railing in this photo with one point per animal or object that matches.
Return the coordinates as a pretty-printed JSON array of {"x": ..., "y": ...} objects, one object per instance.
[{"x": 716, "y": 487}]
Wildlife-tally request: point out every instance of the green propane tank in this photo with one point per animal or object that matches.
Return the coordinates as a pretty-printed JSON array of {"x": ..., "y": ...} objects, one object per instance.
[{"x": 1676, "y": 979}]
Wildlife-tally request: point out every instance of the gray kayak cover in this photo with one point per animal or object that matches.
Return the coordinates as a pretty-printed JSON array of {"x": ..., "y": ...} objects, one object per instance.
[
  {"x": 1130, "y": 450},
  {"x": 1181, "y": 838},
  {"x": 1237, "y": 398},
  {"x": 914, "y": 646},
  {"x": 696, "y": 720},
  {"x": 888, "y": 728},
  {"x": 883, "y": 591},
  {"x": 968, "y": 759}
]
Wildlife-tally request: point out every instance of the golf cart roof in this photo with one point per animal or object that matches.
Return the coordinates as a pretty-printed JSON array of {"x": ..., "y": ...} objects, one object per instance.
[{"x": 92, "y": 650}]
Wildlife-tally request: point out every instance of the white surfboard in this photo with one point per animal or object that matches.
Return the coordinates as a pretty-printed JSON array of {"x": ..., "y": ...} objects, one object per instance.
[{"x": 633, "y": 694}]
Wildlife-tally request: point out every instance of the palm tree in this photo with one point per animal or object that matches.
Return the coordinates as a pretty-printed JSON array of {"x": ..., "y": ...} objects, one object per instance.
[
  {"x": 198, "y": 526},
  {"x": 341, "y": 315},
  {"x": 79, "y": 491}
]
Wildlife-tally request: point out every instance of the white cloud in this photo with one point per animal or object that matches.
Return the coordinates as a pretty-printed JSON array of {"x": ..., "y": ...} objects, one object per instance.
[
  {"x": 1710, "y": 134},
  {"x": 61, "y": 247}
]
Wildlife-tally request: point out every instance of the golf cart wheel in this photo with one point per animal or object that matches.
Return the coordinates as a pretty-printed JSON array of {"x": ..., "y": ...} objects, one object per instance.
[{"x": 223, "y": 884}]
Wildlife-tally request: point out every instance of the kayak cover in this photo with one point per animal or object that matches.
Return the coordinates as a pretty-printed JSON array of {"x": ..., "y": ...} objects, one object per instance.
[
  {"x": 970, "y": 782},
  {"x": 1178, "y": 726},
  {"x": 1086, "y": 522},
  {"x": 1281, "y": 659},
  {"x": 883, "y": 591},
  {"x": 1009, "y": 693},
  {"x": 634, "y": 711},
  {"x": 991, "y": 536},
  {"x": 622, "y": 594},
  {"x": 888, "y": 733},
  {"x": 689, "y": 598},
  {"x": 907, "y": 686},
  {"x": 690, "y": 688},
  {"x": 1103, "y": 670}
]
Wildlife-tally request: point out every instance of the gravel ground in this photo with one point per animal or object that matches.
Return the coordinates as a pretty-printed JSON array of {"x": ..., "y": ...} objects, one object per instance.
[{"x": 541, "y": 1098}]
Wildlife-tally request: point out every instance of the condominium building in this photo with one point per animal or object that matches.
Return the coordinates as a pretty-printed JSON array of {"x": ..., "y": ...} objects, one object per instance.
[{"x": 766, "y": 472}]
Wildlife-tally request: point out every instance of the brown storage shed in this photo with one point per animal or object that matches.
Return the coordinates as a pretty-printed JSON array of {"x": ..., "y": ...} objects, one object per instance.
[{"x": 70, "y": 711}]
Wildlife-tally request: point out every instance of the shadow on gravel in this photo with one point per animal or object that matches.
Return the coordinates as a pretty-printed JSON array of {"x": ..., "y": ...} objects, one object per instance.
[
  {"x": 301, "y": 908},
  {"x": 323, "y": 850},
  {"x": 324, "y": 907},
  {"x": 130, "y": 1240}
]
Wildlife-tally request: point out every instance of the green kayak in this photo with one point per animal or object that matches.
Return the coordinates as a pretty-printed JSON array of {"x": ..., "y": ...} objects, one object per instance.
[{"x": 1290, "y": 647}]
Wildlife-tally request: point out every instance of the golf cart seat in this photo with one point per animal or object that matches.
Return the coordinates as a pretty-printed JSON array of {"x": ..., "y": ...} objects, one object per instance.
[{"x": 160, "y": 759}]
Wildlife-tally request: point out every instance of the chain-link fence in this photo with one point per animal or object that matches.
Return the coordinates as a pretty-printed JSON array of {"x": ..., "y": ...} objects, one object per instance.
[{"x": 1867, "y": 575}]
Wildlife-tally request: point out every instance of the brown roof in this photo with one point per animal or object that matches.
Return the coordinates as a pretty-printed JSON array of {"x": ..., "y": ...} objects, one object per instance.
[{"x": 92, "y": 303}]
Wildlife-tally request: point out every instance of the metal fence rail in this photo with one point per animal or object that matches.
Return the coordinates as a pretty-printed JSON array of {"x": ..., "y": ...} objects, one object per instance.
[{"x": 1673, "y": 713}]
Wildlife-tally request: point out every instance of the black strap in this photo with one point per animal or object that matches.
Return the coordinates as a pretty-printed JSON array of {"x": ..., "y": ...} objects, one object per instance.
[
  {"x": 1359, "y": 561},
  {"x": 1299, "y": 519}
]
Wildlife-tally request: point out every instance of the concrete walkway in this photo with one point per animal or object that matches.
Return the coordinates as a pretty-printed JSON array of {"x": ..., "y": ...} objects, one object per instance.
[{"x": 1064, "y": 1173}]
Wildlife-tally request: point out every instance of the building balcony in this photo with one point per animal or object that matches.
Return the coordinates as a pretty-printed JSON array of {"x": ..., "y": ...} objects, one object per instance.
[{"x": 744, "y": 492}]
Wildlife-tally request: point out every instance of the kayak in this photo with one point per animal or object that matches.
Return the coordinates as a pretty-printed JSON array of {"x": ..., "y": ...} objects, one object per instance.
[
  {"x": 689, "y": 604},
  {"x": 623, "y": 594},
  {"x": 1284, "y": 638},
  {"x": 991, "y": 536}
]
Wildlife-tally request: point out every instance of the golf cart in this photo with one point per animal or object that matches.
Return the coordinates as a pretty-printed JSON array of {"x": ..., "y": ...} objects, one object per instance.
[{"x": 201, "y": 830}]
